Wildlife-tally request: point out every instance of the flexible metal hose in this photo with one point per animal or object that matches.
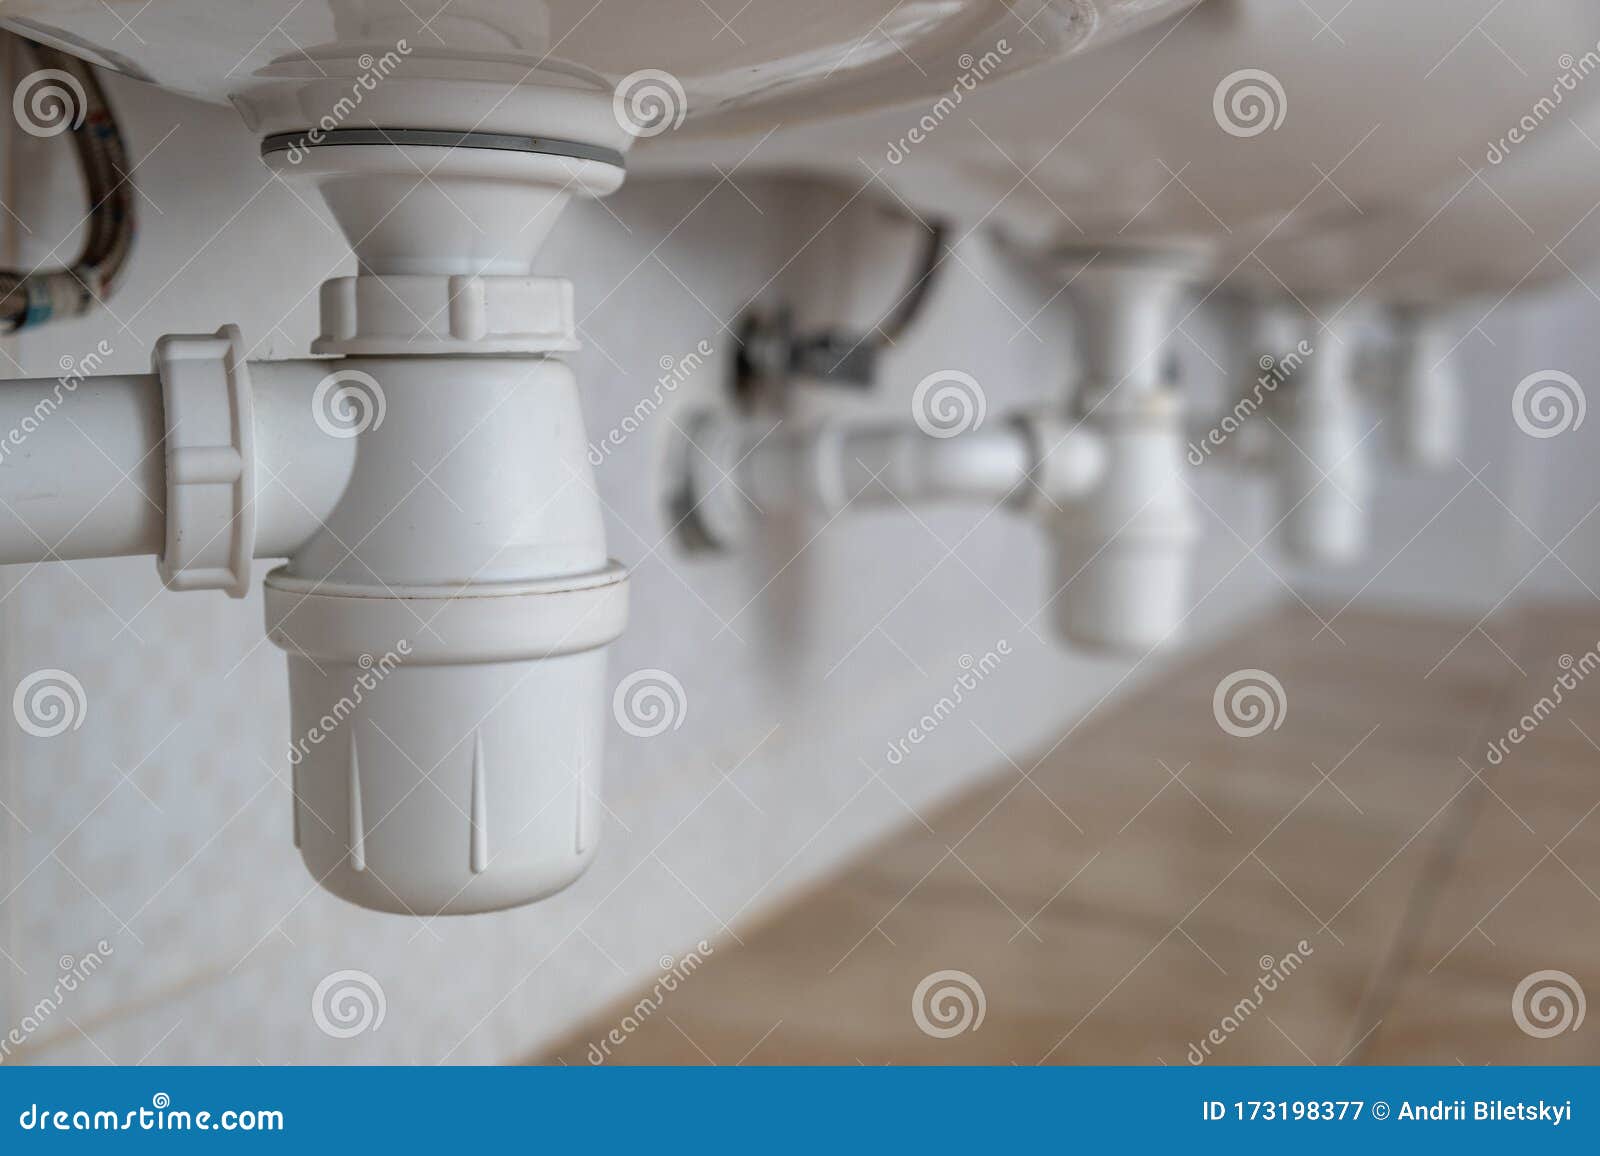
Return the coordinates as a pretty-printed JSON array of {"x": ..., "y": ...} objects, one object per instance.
[{"x": 34, "y": 297}]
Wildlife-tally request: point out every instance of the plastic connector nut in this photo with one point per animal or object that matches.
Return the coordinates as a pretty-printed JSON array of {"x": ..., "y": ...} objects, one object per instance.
[{"x": 210, "y": 455}]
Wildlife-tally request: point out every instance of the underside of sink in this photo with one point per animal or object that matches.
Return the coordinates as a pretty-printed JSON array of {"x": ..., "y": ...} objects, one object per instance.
[
  {"x": 761, "y": 66},
  {"x": 1491, "y": 230},
  {"x": 1231, "y": 127},
  {"x": 1242, "y": 123}
]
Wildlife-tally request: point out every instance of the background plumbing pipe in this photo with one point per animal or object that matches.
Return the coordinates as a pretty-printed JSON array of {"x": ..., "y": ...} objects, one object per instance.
[
  {"x": 1123, "y": 553},
  {"x": 1267, "y": 351},
  {"x": 1108, "y": 485},
  {"x": 893, "y": 464},
  {"x": 1318, "y": 461},
  {"x": 1124, "y": 306},
  {"x": 741, "y": 469}
]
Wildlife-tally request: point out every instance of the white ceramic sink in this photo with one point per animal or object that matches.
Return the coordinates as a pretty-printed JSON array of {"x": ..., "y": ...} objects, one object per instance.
[
  {"x": 1335, "y": 138},
  {"x": 1529, "y": 219},
  {"x": 1368, "y": 117},
  {"x": 751, "y": 66}
]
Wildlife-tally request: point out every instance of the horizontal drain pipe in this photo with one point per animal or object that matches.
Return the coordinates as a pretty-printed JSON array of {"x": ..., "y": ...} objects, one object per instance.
[
  {"x": 92, "y": 482},
  {"x": 1103, "y": 476}
]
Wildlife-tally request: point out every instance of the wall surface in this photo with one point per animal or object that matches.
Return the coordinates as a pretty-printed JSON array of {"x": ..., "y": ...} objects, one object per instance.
[{"x": 162, "y": 824}]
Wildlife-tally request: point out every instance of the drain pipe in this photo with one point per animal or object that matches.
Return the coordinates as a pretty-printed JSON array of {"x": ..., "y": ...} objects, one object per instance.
[
  {"x": 446, "y": 602},
  {"x": 1295, "y": 419},
  {"x": 738, "y": 471},
  {"x": 447, "y": 599},
  {"x": 1123, "y": 555},
  {"x": 90, "y": 488},
  {"x": 1266, "y": 352},
  {"x": 95, "y": 486},
  {"x": 1104, "y": 478},
  {"x": 1321, "y": 477}
]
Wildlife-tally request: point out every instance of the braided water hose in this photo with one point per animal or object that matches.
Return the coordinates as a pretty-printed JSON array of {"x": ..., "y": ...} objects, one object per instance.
[{"x": 63, "y": 92}]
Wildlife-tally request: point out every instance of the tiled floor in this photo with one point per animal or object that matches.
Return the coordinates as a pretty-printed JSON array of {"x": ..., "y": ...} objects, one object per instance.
[{"x": 1119, "y": 898}]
